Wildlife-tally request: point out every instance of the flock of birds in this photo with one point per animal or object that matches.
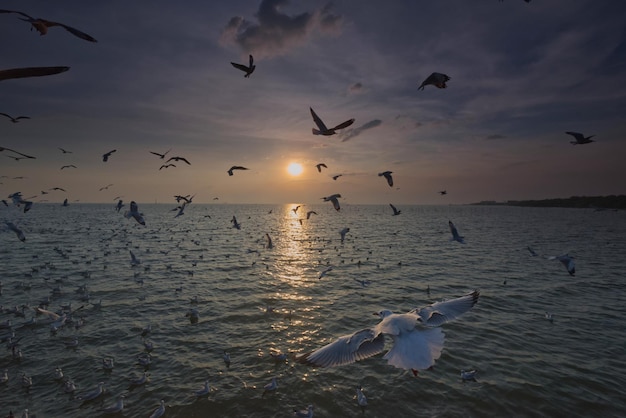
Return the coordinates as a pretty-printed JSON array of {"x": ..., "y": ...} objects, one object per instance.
[{"x": 417, "y": 336}]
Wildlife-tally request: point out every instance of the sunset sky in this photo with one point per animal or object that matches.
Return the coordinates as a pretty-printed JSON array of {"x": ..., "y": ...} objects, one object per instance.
[{"x": 160, "y": 77}]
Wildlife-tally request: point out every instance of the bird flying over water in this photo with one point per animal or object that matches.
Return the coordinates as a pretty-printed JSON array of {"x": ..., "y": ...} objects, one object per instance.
[
  {"x": 323, "y": 130},
  {"x": 436, "y": 79},
  {"x": 30, "y": 72},
  {"x": 105, "y": 157},
  {"x": 134, "y": 213},
  {"x": 568, "y": 262},
  {"x": 42, "y": 25},
  {"x": 319, "y": 166},
  {"x": 236, "y": 167},
  {"x": 395, "y": 211},
  {"x": 334, "y": 199},
  {"x": 580, "y": 138},
  {"x": 18, "y": 232},
  {"x": 417, "y": 338},
  {"x": 387, "y": 175},
  {"x": 68, "y": 166},
  {"x": 14, "y": 119},
  {"x": 455, "y": 233},
  {"x": 249, "y": 69}
]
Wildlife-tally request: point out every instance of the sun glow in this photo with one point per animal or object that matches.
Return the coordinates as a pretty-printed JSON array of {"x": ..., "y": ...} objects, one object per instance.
[{"x": 295, "y": 169}]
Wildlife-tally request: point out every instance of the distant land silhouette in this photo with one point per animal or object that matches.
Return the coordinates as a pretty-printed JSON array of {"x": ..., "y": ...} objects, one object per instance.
[{"x": 586, "y": 202}]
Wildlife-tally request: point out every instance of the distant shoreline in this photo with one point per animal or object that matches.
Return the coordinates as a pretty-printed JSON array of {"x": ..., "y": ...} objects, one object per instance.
[{"x": 582, "y": 202}]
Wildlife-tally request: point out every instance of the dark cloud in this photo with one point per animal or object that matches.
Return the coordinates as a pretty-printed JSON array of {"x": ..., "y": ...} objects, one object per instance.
[
  {"x": 275, "y": 33},
  {"x": 357, "y": 131}
]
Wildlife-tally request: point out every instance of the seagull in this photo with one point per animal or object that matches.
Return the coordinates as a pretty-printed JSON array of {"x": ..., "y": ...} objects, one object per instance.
[
  {"x": 99, "y": 390},
  {"x": 58, "y": 374},
  {"x": 105, "y": 157},
  {"x": 64, "y": 151},
  {"x": 204, "y": 391},
  {"x": 305, "y": 413},
  {"x": 166, "y": 166},
  {"x": 468, "y": 375},
  {"x": 236, "y": 224},
  {"x": 532, "y": 252},
  {"x": 387, "y": 175},
  {"x": 119, "y": 205},
  {"x": 455, "y": 233},
  {"x": 442, "y": 192},
  {"x": 16, "y": 119},
  {"x": 105, "y": 187},
  {"x": 418, "y": 339},
  {"x": 363, "y": 283},
  {"x": 343, "y": 233},
  {"x": 271, "y": 386},
  {"x": 269, "y": 244},
  {"x": 567, "y": 261},
  {"x": 13, "y": 151},
  {"x": 42, "y": 26},
  {"x": 117, "y": 407},
  {"x": 436, "y": 79},
  {"x": 68, "y": 166},
  {"x": 18, "y": 232},
  {"x": 178, "y": 159},
  {"x": 226, "y": 358},
  {"x": 140, "y": 380},
  {"x": 395, "y": 211},
  {"x": 360, "y": 397},
  {"x": 580, "y": 138},
  {"x": 337, "y": 176},
  {"x": 160, "y": 411},
  {"x": 236, "y": 167},
  {"x": 325, "y": 271},
  {"x": 249, "y": 69},
  {"x": 319, "y": 166},
  {"x": 334, "y": 199},
  {"x": 549, "y": 316},
  {"x": 309, "y": 213},
  {"x": 134, "y": 261},
  {"x": 295, "y": 210},
  {"x": 30, "y": 72},
  {"x": 162, "y": 156},
  {"x": 134, "y": 212},
  {"x": 323, "y": 130}
]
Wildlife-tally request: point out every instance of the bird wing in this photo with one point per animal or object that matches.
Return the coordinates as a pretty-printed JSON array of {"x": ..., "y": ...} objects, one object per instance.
[
  {"x": 343, "y": 124},
  {"x": 183, "y": 159},
  {"x": 30, "y": 72},
  {"x": 441, "y": 312},
  {"x": 346, "y": 350},
  {"x": 393, "y": 207},
  {"x": 15, "y": 11},
  {"x": 156, "y": 153},
  {"x": 389, "y": 179},
  {"x": 78, "y": 33},
  {"x": 240, "y": 67},
  {"x": 579, "y": 137},
  {"x": 251, "y": 61},
  {"x": 4, "y": 114},
  {"x": 318, "y": 121}
]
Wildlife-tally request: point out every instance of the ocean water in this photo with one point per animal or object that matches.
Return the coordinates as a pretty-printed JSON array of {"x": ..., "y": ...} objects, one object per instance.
[{"x": 253, "y": 301}]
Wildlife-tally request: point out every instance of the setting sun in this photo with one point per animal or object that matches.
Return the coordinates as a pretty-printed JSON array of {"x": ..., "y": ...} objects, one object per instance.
[{"x": 295, "y": 169}]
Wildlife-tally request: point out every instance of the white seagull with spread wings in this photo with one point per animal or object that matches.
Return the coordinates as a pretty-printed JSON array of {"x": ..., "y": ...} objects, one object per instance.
[{"x": 417, "y": 338}]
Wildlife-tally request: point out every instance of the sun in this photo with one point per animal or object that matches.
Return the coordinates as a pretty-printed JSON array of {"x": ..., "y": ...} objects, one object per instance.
[{"x": 295, "y": 169}]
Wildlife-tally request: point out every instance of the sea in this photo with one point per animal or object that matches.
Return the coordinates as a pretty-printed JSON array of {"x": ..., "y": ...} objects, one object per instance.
[{"x": 252, "y": 300}]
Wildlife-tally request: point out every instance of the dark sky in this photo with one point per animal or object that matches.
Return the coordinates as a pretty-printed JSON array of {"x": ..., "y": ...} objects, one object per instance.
[{"x": 159, "y": 77}]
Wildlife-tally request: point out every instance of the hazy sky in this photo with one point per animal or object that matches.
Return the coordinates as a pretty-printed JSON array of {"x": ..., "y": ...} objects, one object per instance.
[{"x": 160, "y": 77}]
